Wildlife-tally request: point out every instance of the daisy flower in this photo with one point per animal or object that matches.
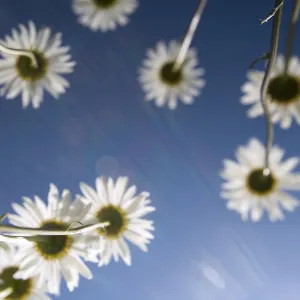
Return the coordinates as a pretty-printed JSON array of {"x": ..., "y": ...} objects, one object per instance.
[
  {"x": 52, "y": 256},
  {"x": 248, "y": 190},
  {"x": 19, "y": 76},
  {"x": 165, "y": 85},
  {"x": 124, "y": 210},
  {"x": 12, "y": 288},
  {"x": 104, "y": 15},
  {"x": 283, "y": 93}
]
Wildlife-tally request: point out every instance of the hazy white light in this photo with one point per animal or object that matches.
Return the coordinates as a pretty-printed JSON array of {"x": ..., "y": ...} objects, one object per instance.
[
  {"x": 107, "y": 165},
  {"x": 214, "y": 277}
]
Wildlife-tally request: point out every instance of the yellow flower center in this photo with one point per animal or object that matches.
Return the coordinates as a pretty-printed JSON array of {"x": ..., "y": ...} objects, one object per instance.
[
  {"x": 27, "y": 71},
  {"x": 116, "y": 218},
  {"x": 21, "y": 289},
  {"x": 53, "y": 247},
  {"x": 104, "y": 4},
  {"x": 261, "y": 184},
  {"x": 284, "y": 89},
  {"x": 170, "y": 76}
]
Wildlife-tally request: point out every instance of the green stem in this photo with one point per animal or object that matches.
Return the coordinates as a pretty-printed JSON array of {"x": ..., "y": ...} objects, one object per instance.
[{"x": 265, "y": 82}]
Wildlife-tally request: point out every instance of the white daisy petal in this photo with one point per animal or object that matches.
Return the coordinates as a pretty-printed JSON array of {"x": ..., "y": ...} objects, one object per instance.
[
  {"x": 88, "y": 192},
  {"x": 290, "y": 182},
  {"x": 35, "y": 214},
  {"x": 164, "y": 85},
  {"x": 141, "y": 212},
  {"x": 280, "y": 63},
  {"x": 276, "y": 154},
  {"x": 283, "y": 93},
  {"x": 53, "y": 282},
  {"x": 123, "y": 209},
  {"x": 136, "y": 240},
  {"x": 232, "y": 169},
  {"x": 37, "y": 99},
  {"x": 76, "y": 262},
  {"x": 104, "y": 15},
  {"x": 19, "y": 76},
  {"x": 286, "y": 120},
  {"x": 24, "y": 36},
  {"x": 120, "y": 188},
  {"x": 111, "y": 191},
  {"x": 140, "y": 231},
  {"x": 249, "y": 191},
  {"x": 14, "y": 89},
  {"x": 275, "y": 213},
  {"x": 288, "y": 202},
  {"x": 41, "y": 205},
  {"x": 43, "y": 38},
  {"x": 256, "y": 213},
  {"x": 129, "y": 196},
  {"x": 18, "y": 221},
  {"x": 65, "y": 203},
  {"x": 124, "y": 251},
  {"x": 289, "y": 165},
  {"x": 255, "y": 111},
  {"x": 69, "y": 278},
  {"x": 32, "y": 33},
  {"x": 53, "y": 199},
  {"x": 233, "y": 184},
  {"x": 101, "y": 189}
]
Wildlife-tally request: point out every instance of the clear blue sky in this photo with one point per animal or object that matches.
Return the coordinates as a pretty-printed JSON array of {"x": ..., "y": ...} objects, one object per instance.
[{"x": 102, "y": 126}]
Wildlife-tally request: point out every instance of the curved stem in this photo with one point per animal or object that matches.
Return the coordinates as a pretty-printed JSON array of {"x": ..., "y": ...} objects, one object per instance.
[
  {"x": 28, "y": 231},
  {"x": 189, "y": 36},
  {"x": 19, "y": 52},
  {"x": 262, "y": 57},
  {"x": 291, "y": 35},
  {"x": 265, "y": 82}
]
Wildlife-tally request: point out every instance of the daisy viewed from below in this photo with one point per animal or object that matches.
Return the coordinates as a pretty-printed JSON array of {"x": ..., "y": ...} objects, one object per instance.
[
  {"x": 248, "y": 190},
  {"x": 104, "y": 15},
  {"x": 283, "y": 93},
  {"x": 112, "y": 202},
  {"x": 52, "y": 256},
  {"x": 19, "y": 76},
  {"x": 12, "y": 288},
  {"x": 166, "y": 85}
]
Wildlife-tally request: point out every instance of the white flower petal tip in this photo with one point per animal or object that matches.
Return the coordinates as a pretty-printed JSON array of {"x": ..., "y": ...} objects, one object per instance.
[
  {"x": 283, "y": 93},
  {"x": 166, "y": 86},
  {"x": 112, "y": 201},
  {"x": 55, "y": 257},
  {"x": 18, "y": 75},
  {"x": 104, "y": 15},
  {"x": 28, "y": 288},
  {"x": 249, "y": 191}
]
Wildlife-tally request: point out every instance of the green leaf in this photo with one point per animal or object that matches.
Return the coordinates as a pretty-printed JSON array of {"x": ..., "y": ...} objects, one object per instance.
[{"x": 2, "y": 217}]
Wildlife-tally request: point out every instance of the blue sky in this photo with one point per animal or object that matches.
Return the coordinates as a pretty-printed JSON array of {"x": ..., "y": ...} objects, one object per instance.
[{"x": 102, "y": 126}]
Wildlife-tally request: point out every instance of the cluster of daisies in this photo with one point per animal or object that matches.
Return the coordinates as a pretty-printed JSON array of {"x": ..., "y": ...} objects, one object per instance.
[
  {"x": 162, "y": 81},
  {"x": 248, "y": 190},
  {"x": 31, "y": 267},
  {"x": 34, "y": 61}
]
